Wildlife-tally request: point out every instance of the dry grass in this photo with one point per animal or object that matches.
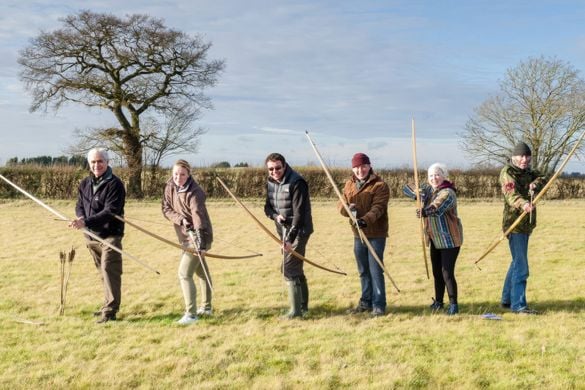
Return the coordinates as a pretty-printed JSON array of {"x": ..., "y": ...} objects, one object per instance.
[{"x": 247, "y": 345}]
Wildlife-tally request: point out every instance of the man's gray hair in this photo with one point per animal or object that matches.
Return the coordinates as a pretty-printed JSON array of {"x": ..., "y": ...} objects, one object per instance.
[
  {"x": 439, "y": 167},
  {"x": 103, "y": 152}
]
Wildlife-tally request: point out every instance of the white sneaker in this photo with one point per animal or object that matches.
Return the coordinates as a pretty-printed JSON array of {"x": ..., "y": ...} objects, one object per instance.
[
  {"x": 204, "y": 312},
  {"x": 187, "y": 319}
]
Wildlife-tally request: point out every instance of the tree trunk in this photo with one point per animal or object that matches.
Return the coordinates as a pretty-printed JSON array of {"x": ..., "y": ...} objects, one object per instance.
[{"x": 133, "y": 154}]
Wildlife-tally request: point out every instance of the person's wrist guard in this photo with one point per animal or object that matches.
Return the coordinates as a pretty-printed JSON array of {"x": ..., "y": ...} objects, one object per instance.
[
  {"x": 200, "y": 239},
  {"x": 291, "y": 235}
]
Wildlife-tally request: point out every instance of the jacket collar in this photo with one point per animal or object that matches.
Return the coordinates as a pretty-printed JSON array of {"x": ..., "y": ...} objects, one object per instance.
[
  {"x": 185, "y": 187},
  {"x": 446, "y": 184}
]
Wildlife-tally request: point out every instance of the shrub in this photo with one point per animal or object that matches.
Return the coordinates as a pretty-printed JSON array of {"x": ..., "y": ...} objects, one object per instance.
[{"x": 60, "y": 182}]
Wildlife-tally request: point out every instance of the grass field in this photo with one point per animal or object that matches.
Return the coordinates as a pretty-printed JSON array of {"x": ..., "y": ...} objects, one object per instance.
[{"x": 247, "y": 345}]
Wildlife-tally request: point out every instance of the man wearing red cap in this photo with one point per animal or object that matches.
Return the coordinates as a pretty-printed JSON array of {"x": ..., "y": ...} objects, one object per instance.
[{"x": 367, "y": 196}]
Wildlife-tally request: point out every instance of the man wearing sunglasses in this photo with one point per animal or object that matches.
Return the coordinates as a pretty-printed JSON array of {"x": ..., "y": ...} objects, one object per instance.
[{"x": 288, "y": 204}]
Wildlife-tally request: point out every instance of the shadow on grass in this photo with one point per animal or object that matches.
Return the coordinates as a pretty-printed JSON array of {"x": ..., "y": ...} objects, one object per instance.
[
  {"x": 324, "y": 311},
  {"x": 482, "y": 307}
]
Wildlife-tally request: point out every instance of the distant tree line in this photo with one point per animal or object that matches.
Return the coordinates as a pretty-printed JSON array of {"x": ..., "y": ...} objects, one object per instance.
[
  {"x": 81, "y": 161},
  {"x": 226, "y": 164},
  {"x": 75, "y": 161}
]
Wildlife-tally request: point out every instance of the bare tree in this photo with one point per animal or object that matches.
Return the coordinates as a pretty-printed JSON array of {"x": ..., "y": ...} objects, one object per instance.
[
  {"x": 129, "y": 66},
  {"x": 541, "y": 102},
  {"x": 172, "y": 136},
  {"x": 160, "y": 137}
]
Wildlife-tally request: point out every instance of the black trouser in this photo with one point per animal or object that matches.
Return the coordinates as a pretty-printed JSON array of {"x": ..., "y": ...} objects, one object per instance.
[
  {"x": 443, "y": 262},
  {"x": 293, "y": 267}
]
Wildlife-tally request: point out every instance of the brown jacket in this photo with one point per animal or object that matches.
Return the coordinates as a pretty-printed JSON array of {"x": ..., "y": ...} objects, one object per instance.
[
  {"x": 187, "y": 203},
  {"x": 371, "y": 202}
]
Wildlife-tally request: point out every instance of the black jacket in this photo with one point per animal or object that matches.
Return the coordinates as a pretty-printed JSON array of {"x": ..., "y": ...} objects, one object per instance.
[
  {"x": 290, "y": 198},
  {"x": 99, "y": 207}
]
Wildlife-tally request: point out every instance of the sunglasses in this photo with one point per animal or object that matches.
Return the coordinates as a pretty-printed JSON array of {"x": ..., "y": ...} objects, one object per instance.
[{"x": 275, "y": 168}]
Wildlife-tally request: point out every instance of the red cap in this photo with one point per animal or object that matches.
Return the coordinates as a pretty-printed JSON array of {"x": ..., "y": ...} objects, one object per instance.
[{"x": 359, "y": 159}]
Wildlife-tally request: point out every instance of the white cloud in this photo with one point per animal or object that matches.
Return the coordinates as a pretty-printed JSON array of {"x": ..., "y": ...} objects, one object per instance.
[{"x": 354, "y": 73}]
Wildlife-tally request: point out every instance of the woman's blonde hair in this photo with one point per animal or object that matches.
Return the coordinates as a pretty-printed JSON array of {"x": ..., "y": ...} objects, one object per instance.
[{"x": 183, "y": 164}]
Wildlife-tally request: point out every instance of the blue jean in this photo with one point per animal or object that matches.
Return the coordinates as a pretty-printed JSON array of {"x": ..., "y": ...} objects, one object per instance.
[
  {"x": 514, "y": 291},
  {"x": 371, "y": 274}
]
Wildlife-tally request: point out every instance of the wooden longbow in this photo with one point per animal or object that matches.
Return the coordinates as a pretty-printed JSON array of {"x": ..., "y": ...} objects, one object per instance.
[
  {"x": 362, "y": 236},
  {"x": 419, "y": 204},
  {"x": 535, "y": 200},
  {"x": 84, "y": 230},
  {"x": 272, "y": 235}
]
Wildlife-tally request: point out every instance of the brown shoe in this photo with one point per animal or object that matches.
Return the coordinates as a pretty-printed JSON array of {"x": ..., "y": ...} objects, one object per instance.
[
  {"x": 359, "y": 309},
  {"x": 106, "y": 318}
]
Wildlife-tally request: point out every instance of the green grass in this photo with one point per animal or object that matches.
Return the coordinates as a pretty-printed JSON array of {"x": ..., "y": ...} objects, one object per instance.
[{"x": 247, "y": 345}]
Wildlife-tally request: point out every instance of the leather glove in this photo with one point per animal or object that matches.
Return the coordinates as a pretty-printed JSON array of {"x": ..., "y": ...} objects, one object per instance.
[
  {"x": 425, "y": 212},
  {"x": 188, "y": 225},
  {"x": 361, "y": 224},
  {"x": 201, "y": 239},
  {"x": 284, "y": 222}
]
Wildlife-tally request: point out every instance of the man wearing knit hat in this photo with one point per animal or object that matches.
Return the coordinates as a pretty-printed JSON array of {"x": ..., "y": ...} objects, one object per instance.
[
  {"x": 367, "y": 196},
  {"x": 519, "y": 182}
]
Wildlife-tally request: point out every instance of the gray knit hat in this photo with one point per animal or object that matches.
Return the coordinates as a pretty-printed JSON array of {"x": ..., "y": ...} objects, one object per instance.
[{"x": 521, "y": 149}]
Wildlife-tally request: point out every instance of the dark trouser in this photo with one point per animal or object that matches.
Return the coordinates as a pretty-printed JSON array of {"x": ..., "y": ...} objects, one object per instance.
[
  {"x": 293, "y": 267},
  {"x": 109, "y": 264},
  {"x": 443, "y": 262}
]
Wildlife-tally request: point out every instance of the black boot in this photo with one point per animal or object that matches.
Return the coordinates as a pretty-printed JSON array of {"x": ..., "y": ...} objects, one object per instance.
[
  {"x": 305, "y": 295},
  {"x": 436, "y": 305}
]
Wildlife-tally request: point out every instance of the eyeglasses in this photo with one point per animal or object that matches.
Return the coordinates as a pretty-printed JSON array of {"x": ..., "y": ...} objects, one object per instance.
[{"x": 275, "y": 168}]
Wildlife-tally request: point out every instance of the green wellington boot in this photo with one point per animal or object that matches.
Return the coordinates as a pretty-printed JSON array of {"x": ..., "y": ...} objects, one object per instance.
[{"x": 295, "y": 296}]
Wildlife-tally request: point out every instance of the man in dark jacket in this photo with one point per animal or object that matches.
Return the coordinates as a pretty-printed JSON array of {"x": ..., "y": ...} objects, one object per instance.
[
  {"x": 518, "y": 182},
  {"x": 101, "y": 198},
  {"x": 289, "y": 205}
]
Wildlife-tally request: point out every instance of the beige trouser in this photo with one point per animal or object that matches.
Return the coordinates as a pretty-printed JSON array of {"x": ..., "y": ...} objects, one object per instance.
[
  {"x": 109, "y": 264},
  {"x": 188, "y": 266}
]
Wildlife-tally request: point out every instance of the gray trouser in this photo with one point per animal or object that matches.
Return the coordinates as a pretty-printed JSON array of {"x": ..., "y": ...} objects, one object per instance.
[
  {"x": 109, "y": 264},
  {"x": 188, "y": 266}
]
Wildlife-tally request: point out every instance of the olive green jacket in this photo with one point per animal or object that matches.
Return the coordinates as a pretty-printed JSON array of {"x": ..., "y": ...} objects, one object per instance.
[{"x": 515, "y": 184}]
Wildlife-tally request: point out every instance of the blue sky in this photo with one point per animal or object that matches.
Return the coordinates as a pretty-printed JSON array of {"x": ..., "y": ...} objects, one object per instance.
[{"x": 352, "y": 73}]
